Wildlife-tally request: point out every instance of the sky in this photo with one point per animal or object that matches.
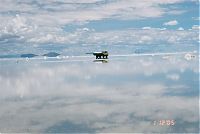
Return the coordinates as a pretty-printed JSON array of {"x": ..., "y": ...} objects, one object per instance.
[{"x": 28, "y": 24}]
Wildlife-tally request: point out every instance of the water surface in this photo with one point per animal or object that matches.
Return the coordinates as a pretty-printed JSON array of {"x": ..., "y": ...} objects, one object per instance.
[{"x": 126, "y": 94}]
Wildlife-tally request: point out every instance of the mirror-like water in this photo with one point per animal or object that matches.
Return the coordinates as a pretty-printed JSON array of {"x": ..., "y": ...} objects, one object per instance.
[{"x": 125, "y": 94}]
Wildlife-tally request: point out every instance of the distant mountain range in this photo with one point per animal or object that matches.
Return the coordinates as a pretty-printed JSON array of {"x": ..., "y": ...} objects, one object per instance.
[{"x": 30, "y": 55}]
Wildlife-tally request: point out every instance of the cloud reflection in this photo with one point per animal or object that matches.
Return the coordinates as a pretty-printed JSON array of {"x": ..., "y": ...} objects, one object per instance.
[{"x": 125, "y": 95}]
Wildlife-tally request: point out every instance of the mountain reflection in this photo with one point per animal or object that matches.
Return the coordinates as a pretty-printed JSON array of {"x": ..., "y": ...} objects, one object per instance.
[{"x": 124, "y": 95}]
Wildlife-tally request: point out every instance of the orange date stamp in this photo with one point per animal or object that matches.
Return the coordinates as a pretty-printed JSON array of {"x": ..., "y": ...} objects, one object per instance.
[{"x": 164, "y": 122}]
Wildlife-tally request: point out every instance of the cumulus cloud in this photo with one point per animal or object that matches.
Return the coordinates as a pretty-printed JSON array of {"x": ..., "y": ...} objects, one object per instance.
[
  {"x": 196, "y": 18},
  {"x": 145, "y": 39},
  {"x": 43, "y": 21},
  {"x": 171, "y": 23},
  {"x": 196, "y": 27},
  {"x": 174, "y": 77},
  {"x": 137, "y": 36},
  {"x": 146, "y": 28},
  {"x": 180, "y": 29},
  {"x": 21, "y": 29},
  {"x": 146, "y": 35},
  {"x": 62, "y": 12}
]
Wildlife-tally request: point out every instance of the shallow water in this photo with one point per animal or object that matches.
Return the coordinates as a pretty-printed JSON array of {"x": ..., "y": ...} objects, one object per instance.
[{"x": 126, "y": 94}]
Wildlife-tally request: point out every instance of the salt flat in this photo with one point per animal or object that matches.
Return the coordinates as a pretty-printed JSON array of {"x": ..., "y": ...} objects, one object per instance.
[{"x": 126, "y": 94}]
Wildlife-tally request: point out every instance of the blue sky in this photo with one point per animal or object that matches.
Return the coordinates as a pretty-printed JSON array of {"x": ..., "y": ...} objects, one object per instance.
[
  {"x": 188, "y": 17},
  {"x": 27, "y": 24}
]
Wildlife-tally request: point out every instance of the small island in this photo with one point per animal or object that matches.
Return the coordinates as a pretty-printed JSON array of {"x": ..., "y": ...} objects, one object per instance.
[
  {"x": 28, "y": 55},
  {"x": 51, "y": 54}
]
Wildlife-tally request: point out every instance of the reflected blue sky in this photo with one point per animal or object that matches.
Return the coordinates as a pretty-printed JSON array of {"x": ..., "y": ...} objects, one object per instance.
[{"x": 124, "y": 95}]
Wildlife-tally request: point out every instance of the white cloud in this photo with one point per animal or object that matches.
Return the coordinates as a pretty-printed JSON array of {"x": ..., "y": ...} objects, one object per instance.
[
  {"x": 20, "y": 29},
  {"x": 146, "y": 28},
  {"x": 196, "y": 18},
  {"x": 63, "y": 12},
  {"x": 163, "y": 29},
  {"x": 145, "y": 39},
  {"x": 43, "y": 21},
  {"x": 180, "y": 29},
  {"x": 174, "y": 77},
  {"x": 171, "y": 23},
  {"x": 195, "y": 27}
]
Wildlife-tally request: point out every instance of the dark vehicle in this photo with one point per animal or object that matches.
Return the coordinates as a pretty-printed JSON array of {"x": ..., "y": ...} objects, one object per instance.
[{"x": 101, "y": 55}]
